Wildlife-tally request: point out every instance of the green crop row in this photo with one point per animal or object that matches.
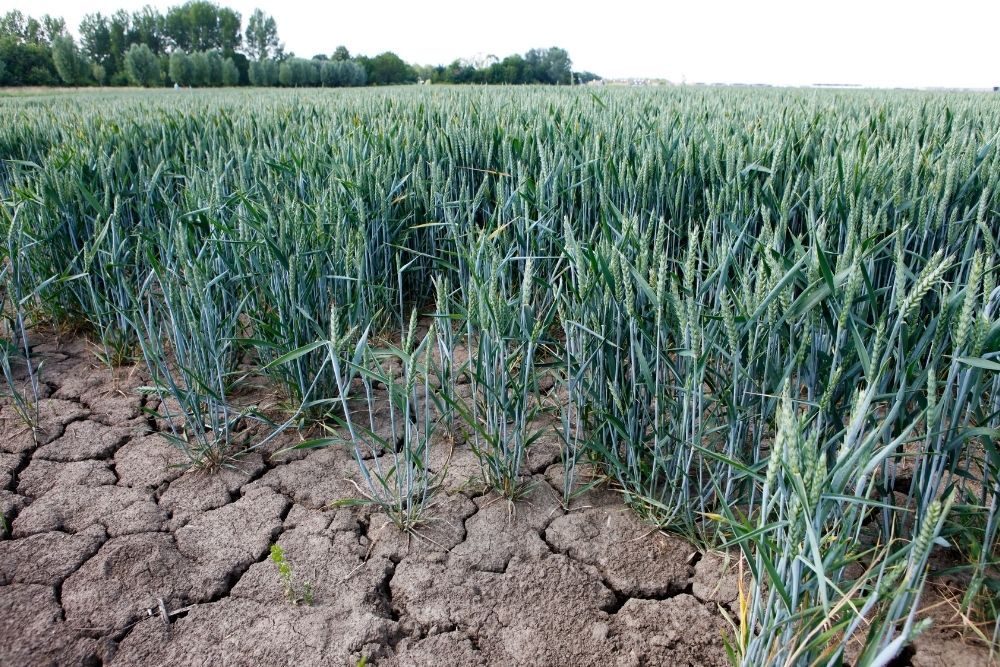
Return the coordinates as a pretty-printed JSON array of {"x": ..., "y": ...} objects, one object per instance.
[{"x": 771, "y": 318}]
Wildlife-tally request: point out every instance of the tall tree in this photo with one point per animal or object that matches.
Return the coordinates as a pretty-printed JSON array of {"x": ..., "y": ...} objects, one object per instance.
[
  {"x": 25, "y": 51},
  {"x": 142, "y": 66},
  {"x": 33, "y": 32},
  {"x": 262, "y": 36},
  {"x": 14, "y": 26},
  {"x": 388, "y": 68},
  {"x": 511, "y": 70},
  {"x": 202, "y": 24},
  {"x": 214, "y": 68},
  {"x": 119, "y": 27},
  {"x": 200, "y": 75},
  {"x": 72, "y": 67},
  {"x": 264, "y": 73},
  {"x": 95, "y": 38},
  {"x": 341, "y": 54},
  {"x": 199, "y": 25},
  {"x": 551, "y": 66},
  {"x": 181, "y": 70},
  {"x": 298, "y": 72},
  {"x": 147, "y": 27},
  {"x": 230, "y": 38},
  {"x": 337, "y": 73},
  {"x": 52, "y": 27},
  {"x": 558, "y": 66},
  {"x": 175, "y": 26},
  {"x": 29, "y": 30},
  {"x": 230, "y": 73}
]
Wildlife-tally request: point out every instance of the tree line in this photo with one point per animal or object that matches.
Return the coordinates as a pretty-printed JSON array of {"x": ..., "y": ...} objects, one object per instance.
[{"x": 200, "y": 43}]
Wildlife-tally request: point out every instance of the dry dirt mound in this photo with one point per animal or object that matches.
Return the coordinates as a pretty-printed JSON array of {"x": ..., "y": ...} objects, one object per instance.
[{"x": 111, "y": 554}]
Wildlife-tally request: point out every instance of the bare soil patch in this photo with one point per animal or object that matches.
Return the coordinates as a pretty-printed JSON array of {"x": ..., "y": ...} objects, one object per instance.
[{"x": 111, "y": 554}]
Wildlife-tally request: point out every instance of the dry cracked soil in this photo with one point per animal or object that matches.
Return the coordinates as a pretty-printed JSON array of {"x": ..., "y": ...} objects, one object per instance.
[{"x": 111, "y": 553}]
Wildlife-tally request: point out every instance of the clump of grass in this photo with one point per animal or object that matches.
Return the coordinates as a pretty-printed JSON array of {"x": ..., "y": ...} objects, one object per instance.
[
  {"x": 296, "y": 269},
  {"x": 821, "y": 577},
  {"x": 444, "y": 370},
  {"x": 506, "y": 323},
  {"x": 392, "y": 458},
  {"x": 188, "y": 323},
  {"x": 394, "y": 466},
  {"x": 17, "y": 289}
]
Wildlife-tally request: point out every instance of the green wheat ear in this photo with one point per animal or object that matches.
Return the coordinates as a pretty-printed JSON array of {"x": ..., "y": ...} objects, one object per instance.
[{"x": 711, "y": 251}]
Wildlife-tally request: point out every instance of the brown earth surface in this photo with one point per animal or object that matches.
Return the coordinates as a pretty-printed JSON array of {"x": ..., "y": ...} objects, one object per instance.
[{"x": 110, "y": 553}]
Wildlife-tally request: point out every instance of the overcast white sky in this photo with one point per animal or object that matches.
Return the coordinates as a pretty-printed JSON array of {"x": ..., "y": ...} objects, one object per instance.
[{"x": 784, "y": 42}]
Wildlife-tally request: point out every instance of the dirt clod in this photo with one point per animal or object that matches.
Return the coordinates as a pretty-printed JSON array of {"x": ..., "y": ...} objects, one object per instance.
[
  {"x": 84, "y": 440},
  {"x": 201, "y": 491},
  {"x": 47, "y": 558},
  {"x": 500, "y": 529},
  {"x": 635, "y": 560},
  {"x": 42, "y": 476},
  {"x": 119, "y": 510},
  {"x": 148, "y": 462},
  {"x": 678, "y": 631},
  {"x": 32, "y": 631}
]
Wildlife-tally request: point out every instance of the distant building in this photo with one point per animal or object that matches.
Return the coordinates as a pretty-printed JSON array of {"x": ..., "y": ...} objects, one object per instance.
[{"x": 636, "y": 82}]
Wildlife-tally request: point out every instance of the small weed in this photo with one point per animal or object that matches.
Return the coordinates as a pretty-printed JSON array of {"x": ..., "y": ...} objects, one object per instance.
[{"x": 292, "y": 592}]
